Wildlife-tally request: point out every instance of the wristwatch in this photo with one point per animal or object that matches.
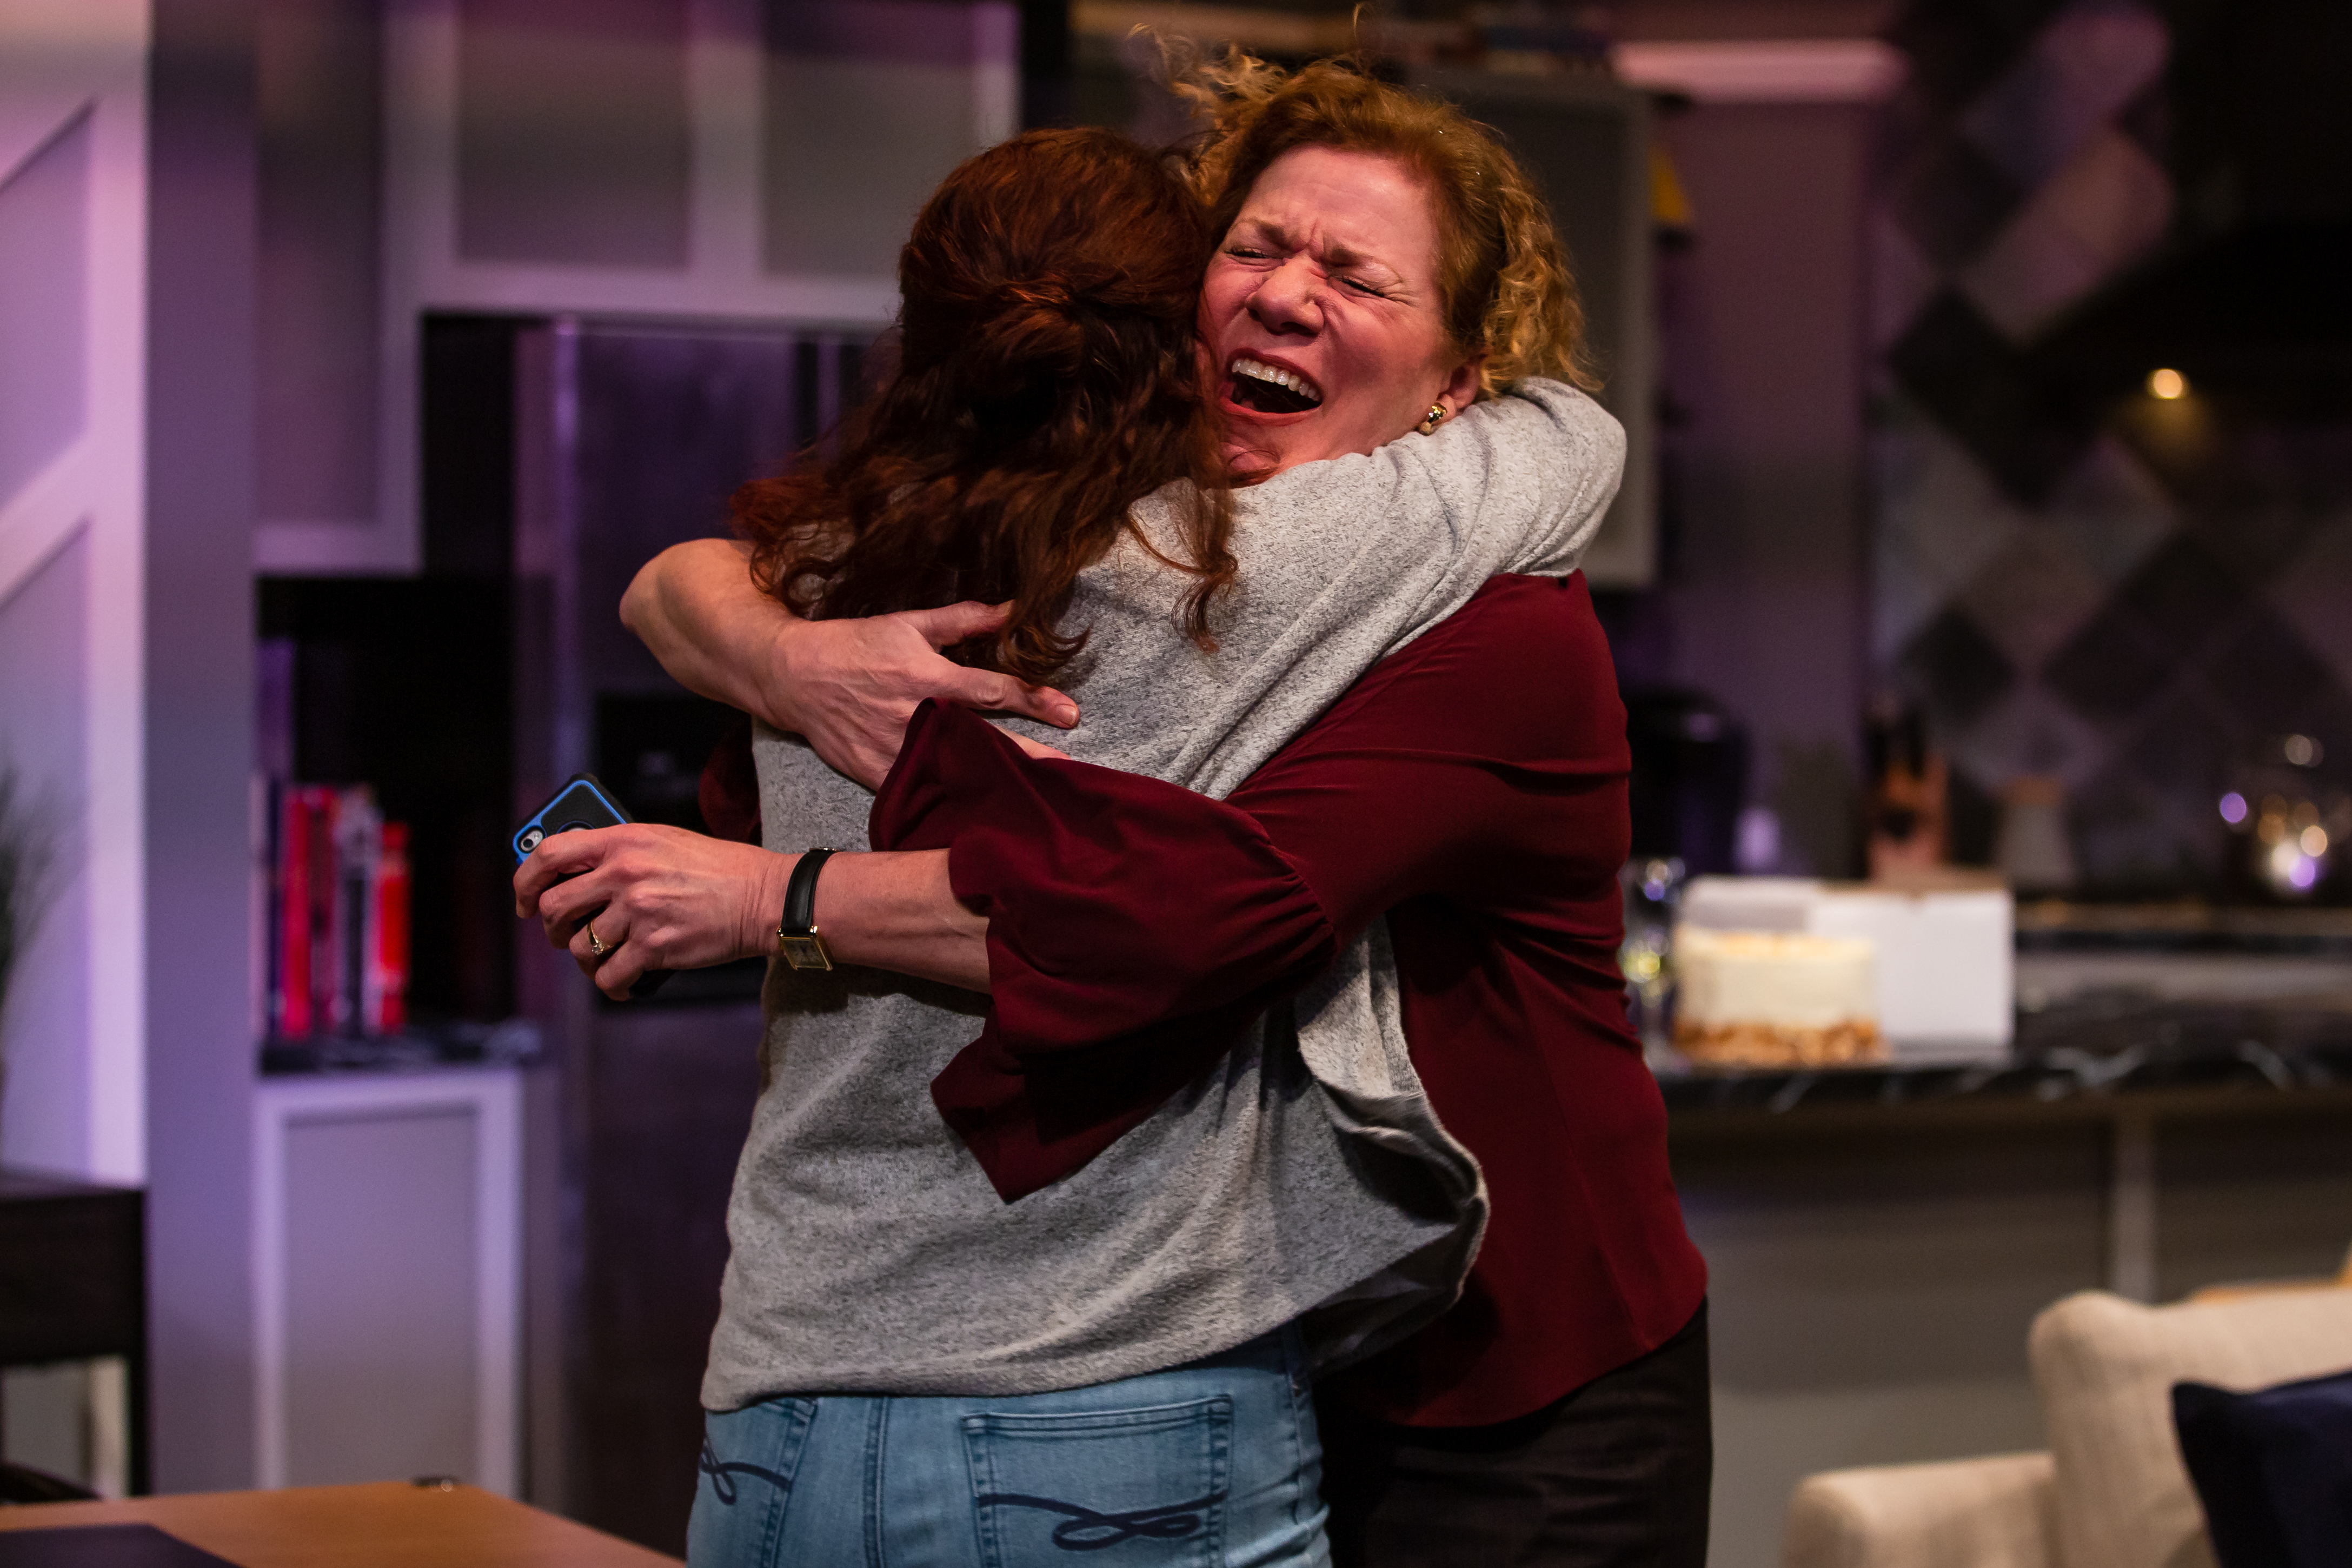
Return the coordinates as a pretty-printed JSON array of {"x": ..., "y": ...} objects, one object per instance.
[{"x": 796, "y": 933}]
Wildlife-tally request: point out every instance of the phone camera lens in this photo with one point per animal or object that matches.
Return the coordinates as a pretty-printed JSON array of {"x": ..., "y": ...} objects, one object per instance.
[{"x": 531, "y": 839}]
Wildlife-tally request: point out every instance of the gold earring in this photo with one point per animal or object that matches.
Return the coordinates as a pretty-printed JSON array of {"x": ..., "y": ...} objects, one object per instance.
[{"x": 1434, "y": 419}]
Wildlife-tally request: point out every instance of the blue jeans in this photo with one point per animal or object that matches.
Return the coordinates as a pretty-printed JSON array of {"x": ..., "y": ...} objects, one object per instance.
[{"x": 1214, "y": 1463}]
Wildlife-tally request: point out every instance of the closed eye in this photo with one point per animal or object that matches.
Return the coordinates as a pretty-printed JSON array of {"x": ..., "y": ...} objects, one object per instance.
[{"x": 1360, "y": 287}]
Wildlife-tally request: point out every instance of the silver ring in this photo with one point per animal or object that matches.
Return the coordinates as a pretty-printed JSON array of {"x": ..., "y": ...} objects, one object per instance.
[{"x": 596, "y": 946}]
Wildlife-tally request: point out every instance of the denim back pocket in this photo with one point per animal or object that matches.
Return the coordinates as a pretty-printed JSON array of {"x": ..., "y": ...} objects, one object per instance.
[
  {"x": 1144, "y": 1486},
  {"x": 745, "y": 1480}
]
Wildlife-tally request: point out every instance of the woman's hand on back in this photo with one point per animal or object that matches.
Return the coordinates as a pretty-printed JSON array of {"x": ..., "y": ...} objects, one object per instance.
[
  {"x": 848, "y": 686},
  {"x": 852, "y": 685}
]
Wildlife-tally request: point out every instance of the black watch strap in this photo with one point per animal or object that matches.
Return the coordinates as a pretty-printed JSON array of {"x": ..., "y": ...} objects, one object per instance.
[{"x": 796, "y": 933}]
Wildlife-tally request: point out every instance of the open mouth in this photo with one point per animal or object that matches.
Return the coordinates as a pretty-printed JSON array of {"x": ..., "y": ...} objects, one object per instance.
[{"x": 1263, "y": 388}]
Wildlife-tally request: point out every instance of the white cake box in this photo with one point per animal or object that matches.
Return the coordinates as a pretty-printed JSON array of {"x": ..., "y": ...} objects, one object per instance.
[{"x": 1946, "y": 954}]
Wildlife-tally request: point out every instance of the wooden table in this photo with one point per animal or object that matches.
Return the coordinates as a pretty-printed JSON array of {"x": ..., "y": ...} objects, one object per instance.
[{"x": 385, "y": 1524}]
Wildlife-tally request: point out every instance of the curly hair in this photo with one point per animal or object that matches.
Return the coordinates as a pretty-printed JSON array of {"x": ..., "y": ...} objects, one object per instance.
[
  {"x": 1505, "y": 273},
  {"x": 1047, "y": 380}
]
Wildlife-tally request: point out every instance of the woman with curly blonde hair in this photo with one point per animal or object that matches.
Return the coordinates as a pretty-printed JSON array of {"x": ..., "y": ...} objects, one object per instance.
[
  {"x": 1510, "y": 294},
  {"x": 1559, "y": 1413},
  {"x": 1385, "y": 809}
]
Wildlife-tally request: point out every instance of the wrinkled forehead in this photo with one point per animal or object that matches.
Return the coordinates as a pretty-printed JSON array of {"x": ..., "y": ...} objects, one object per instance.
[{"x": 1346, "y": 207}]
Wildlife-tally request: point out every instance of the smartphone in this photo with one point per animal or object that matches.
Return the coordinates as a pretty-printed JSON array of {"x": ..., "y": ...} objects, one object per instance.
[{"x": 581, "y": 802}]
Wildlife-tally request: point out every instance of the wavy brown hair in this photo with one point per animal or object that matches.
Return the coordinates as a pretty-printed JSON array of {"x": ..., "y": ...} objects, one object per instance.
[
  {"x": 1507, "y": 285},
  {"x": 1047, "y": 380}
]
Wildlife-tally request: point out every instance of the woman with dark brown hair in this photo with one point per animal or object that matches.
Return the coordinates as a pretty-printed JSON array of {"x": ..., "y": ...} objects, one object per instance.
[
  {"x": 918, "y": 1348},
  {"x": 1046, "y": 382}
]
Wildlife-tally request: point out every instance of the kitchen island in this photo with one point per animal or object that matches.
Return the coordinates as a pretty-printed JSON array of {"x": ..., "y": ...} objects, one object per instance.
[{"x": 2177, "y": 1113}]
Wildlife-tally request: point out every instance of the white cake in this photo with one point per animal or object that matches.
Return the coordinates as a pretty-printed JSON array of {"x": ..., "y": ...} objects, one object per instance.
[
  {"x": 1745, "y": 998},
  {"x": 1942, "y": 948}
]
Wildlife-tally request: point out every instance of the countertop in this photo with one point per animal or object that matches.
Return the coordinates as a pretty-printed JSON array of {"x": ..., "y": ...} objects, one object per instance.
[{"x": 2166, "y": 1003}]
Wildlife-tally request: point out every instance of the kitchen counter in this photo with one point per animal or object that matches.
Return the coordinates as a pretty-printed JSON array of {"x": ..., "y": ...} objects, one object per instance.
[
  {"x": 2186, "y": 1002},
  {"x": 2094, "y": 1048},
  {"x": 2177, "y": 1112}
]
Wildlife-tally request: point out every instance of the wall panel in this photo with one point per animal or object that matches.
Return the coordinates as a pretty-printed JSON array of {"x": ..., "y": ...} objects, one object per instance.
[
  {"x": 73, "y": 195},
  {"x": 574, "y": 142},
  {"x": 322, "y": 233},
  {"x": 44, "y": 305},
  {"x": 47, "y": 1114}
]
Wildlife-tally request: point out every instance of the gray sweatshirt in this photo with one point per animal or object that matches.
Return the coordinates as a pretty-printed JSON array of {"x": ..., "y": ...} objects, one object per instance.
[{"x": 1305, "y": 1177}]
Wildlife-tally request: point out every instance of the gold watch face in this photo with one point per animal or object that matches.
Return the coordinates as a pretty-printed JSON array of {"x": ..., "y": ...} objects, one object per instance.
[{"x": 804, "y": 952}]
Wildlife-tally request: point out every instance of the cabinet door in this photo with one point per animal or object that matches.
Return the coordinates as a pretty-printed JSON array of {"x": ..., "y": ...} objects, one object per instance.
[
  {"x": 1587, "y": 142},
  {"x": 679, "y": 159},
  {"x": 387, "y": 1307},
  {"x": 73, "y": 192},
  {"x": 328, "y": 485}
]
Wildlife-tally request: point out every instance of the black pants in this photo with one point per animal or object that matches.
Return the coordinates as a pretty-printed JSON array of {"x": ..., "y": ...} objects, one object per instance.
[{"x": 1612, "y": 1475}]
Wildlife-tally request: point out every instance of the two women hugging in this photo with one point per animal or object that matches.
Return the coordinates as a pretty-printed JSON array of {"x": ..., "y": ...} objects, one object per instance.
[{"x": 1239, "y": 1010}]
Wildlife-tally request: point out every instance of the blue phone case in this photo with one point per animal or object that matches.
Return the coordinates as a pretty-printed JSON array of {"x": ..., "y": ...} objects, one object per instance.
[{"x": 580, "y": 802}]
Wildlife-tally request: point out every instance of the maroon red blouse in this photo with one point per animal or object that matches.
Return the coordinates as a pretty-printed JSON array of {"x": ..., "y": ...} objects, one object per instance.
[{"x": 1472, "y": 787}]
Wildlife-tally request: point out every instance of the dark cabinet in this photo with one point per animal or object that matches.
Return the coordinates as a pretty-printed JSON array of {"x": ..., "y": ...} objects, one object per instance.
[{"x": 73, "y": 1282}]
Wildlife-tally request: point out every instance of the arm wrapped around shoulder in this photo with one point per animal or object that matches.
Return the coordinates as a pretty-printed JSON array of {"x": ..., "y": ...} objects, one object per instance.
[{"x": 1135, "y": 929}]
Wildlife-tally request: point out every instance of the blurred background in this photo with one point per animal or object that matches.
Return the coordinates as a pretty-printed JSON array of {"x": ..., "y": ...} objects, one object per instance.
[{"x": 1986, "y": 535}]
